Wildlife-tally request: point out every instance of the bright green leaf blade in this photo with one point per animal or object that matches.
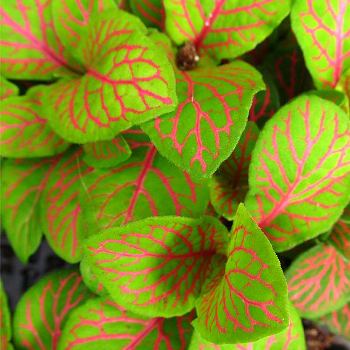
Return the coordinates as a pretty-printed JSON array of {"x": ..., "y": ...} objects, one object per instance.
[
  {"x": 157, "y": 266},
  {"x": 319, "y": 281},
  {"x": 151, "y": 12},
  {"x": 44, "y": 308},
  {"x": 210, "y": 118},
  {"x": 229, "y": 185},
  {"x": 224, "y": 28},
  {"x": 7, "y": 89},
  {"x": 250, "y": 300},
  {"x": 5, "y": 320},
  {"x": 60, "y": 208},
  {"x": 127, "y": 82},
  {"x": 292, "y": 338},
  {"x": 22, "y": 184},
  {"x": 106, "y": 154},
  {"x": 30, "y": 46},
  {"x": 299, "y": 172},
  {"x": 144, "y": 185},
  {"x": 323, "y": 32},
  {"x": 339, "y": 321},
  {"x": 102, "y": 324},
  {"x": 24, "y": 131}
]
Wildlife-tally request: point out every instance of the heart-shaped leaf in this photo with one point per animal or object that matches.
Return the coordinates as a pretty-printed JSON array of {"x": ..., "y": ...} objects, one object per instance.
[
  {"x": 298, "y": 175},
  {"x": 7, "y": 89},
  {"x": 5, "y": 321},
  {"x": 127, "y": 81},
  {"x": 229, "y": 185},
  {"x": 60, "y": 209},
  {"x": 100, "y": 323},
  {"x": 106, "y": 154},
  {"x": 23, "y": 182},
  {"x": 319, "y": 281},
  {"x": 44, "y": 308},
  {"x": 157, "y": 266},
  {"x": 223, "y": 28},
  {"x": 323, "y": 32},
  {"x": 213, "y": 108},
  {"x": 291, "y": 338},
  {"x": 151, "y": 12},
  {"x": 339, "y": 321},
  {"x": 249, "y": 300},
  {"x": 30, "y": 46},
  {"x": 144, "y": 185},
  {"x": 24, "y": 129}
]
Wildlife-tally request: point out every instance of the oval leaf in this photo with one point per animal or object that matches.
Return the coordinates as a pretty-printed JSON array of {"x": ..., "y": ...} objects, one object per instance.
[
  {"x": 156, "y": 267},
  {"x": 127, "y": 81},
  {"x": 250, "y": 300},
  {"x": 100, "y": 323},
  {"x": 319, "y": 281},
  {"x": 229, "y": 185},
  {"x": 212, "y": 113},
  {"x": 44, "y": 308},
  {"x": 223, "y": 28},
  {"x": 60, "y": 208},
  {"x": 298, "y": 175},
  {"x": 323, "y": 32},
  {"x": 339, "y": 321},
  {"x": 24, "y": 129}
]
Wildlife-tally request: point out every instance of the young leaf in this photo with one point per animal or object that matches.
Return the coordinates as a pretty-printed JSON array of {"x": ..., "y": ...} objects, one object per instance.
[
  {"x": 291, "y": 338},
  {"x": 60, "y": 208},
  {"x": 151, "y": 12},
  {"x": 5, "y": 321},
  {"x": 223, "y": 29},
  {"x": 298, "y": 175},
  {"x": 339, "y": 321},
  {"x": 249, "y": 301},
  {"x": 44, "y": 308},
  {"x": 24, "y": 130},
  {"x": 100, "y": 323},
  {"x": 323, "y": 32},
  {"x": 7, "y": 89},
  {"x": 71, "y": 18},
  {"x": 127, "y": 81},
  {"x": 213, "y": 108},
  {"x": 319, "y": 281},
  {"x": 229, "y": 184},
  {"x": 30, "y": 46},
  {"x": 144, "y": 185},
  {"x": 156, "y": 267},
  {"x": 340, "y": 236},
  {"x": 106, "y": 154},
  {"x": 22, "y": 184}
]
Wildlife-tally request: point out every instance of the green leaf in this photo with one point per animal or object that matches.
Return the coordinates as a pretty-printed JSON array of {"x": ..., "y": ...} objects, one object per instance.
[
  {"x": 323, "y": 32},
  {"x": 100, "y": 323},
  {"x": 31, "y": 47},
  {"x": 60, "y": 208},
  {"x": 106, "y": 154},
  {"x": 144, "y": 185},
  {"x": 248, "y": 301},
  {"x": 151, "y": 12},
  {"x": 319, "y": 281},
  {"x": 44, "y": 308},
  {"x": 7, "y": 89},
  {"x": 24, "y": 128},
  {"x": 5, "y": 320},
  {"x": 344, "y": 86},
  {"x": 292, "y": 338},
  {"x": 223, "y": 29},
  {"x": 157, "y": 266},
  {"x": 23, "y": 182},
  {"x": 298, "y": 175},
  {"x": 212, "y": 113},
  {"x": 127, "y": 81},
  {"x": 229, "y": 184}
]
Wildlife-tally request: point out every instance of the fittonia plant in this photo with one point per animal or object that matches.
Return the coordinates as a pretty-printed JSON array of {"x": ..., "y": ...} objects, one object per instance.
[{"x": 172, "y": 148}]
